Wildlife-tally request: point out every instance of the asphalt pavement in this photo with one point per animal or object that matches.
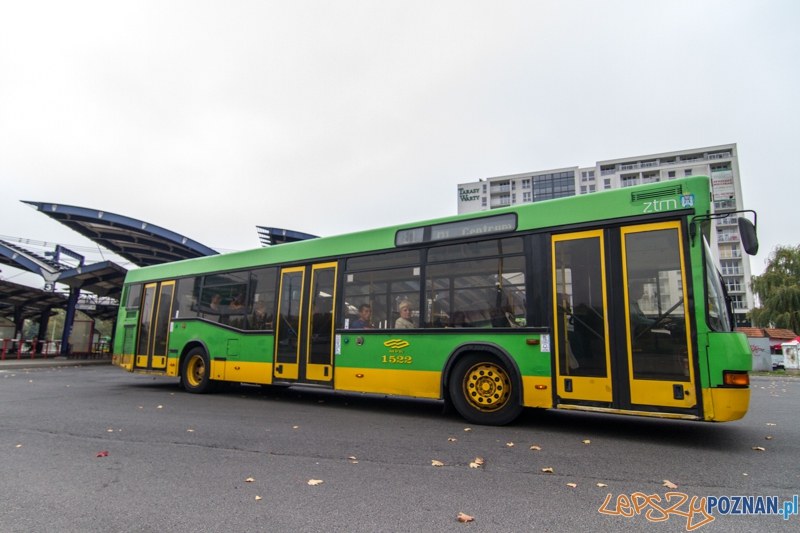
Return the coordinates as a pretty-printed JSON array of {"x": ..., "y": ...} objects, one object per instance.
[{"x": 181, "y": 462}]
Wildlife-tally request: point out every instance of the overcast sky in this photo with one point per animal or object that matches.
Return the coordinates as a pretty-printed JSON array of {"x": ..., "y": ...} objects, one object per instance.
[{"x": 209, "y": 118}]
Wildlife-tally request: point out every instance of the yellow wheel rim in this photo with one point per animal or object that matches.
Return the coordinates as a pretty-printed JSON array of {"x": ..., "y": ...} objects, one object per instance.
[
  {"x": 487, "y": 387},
  {"x": 195, "y": 370}
]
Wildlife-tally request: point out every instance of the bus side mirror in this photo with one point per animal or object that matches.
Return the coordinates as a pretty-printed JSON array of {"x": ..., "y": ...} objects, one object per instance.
[{"x": 747, "y": 232}]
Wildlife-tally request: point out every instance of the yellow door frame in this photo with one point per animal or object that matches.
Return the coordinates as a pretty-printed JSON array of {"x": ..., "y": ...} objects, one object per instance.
[
  {"x": 142, "y": 360},
  {"x": 320, "y": 372},
  {"x": 288, "y": 370},
  {"x": 592, "y": 388},
  {"x": 650, "y": 391},
  {"x": 160, "y": 361}
]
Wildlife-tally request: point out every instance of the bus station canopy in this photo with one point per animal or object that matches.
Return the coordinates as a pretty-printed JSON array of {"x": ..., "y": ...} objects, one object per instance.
[
  {"x": 103, "y": 279},
  {"x": 33, "y": 301},
  {"x": 139, "y": 242},
  {"x": 272, "y": 236}
]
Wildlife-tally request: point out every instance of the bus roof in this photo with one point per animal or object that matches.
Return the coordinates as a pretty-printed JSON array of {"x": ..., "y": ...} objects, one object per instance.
[{"x": 604, "y": 205}]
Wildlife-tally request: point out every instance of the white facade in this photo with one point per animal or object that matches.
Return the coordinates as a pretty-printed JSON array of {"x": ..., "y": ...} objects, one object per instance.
[{"x": 719, "y": 162}]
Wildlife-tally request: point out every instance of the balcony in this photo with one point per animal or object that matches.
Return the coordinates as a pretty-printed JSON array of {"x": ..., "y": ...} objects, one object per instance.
[
  {"x": 732, "y": 271},
  {"x": 724, "y": 205},
  {"x": 728, "y": 237},
  {"x": 723, "y": 155},
  {"x": 739, "y": 305},
  {"x": 728, "y": 221},
  {"x": 501, "y": 202},
  {"x": 730, "y": 254},
  {"x": 608, "y": 172},
  {"x": 500, "y": 188}
]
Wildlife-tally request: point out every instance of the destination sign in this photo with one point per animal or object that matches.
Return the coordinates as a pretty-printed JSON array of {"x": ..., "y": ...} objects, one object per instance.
[{"x": 456, "y": 230}]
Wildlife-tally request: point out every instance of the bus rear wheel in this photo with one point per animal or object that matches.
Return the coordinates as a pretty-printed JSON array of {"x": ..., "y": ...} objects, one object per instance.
[
  {"x": 482, "y": 391},
  {"x": 196, "y": 375}
]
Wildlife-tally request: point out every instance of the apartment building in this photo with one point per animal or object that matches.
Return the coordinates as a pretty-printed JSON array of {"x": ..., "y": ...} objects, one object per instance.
[{"x": 718, "y": 162}]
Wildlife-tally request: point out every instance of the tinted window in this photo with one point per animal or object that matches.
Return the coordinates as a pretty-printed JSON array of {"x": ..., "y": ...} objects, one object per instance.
[
  {"x": 391, "y": 259},
  {"x": 135, "y": 296},
  {"x": 455, "y": 252},
  {"x": 261, "y": 307},
  {"x": 187, "y": 295},
  {"x": 384, "y": 291}
]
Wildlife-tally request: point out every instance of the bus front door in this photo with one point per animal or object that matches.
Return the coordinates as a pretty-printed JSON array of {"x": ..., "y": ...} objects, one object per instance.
[
  {"x": 581, "y": 325},
  {"x": 304, "y": 337},
  {"x": 658, "y": 341},
  {"x": 154, "y": 319}
]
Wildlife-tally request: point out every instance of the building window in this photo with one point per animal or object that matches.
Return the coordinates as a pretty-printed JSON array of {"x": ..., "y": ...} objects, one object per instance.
[
  {"x": 484, "y": 188},
  {"x": 526, "y": 183},
  {"x": 607, "y": 183},
  {"x": 554, "y": 185},
  {"x": 526, "y": 197},
  {"x": 584, "y": 176},
  {"x": 483, "y": 201},
  {"x": 629, "y": 181},
  {"x": 592, "y": 188},
  {"x": 513, "y": 185},
  {"x": 687, "y": 172},
  {"x": 671, "y": 174},
  {"x": 591, "y": 174},
  {"x": 513, "y": 198}
]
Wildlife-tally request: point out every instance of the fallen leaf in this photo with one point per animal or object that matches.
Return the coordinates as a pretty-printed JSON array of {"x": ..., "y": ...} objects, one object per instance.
[
  {"x": 479, "y": 460},
  {"x": 587, "y": 441},
  {"x": 101, "y": 454},
  {"x": 295, "y": 427},
  {"x": 190, "y": 431},
  {"x": 19, "y": 445},
  {"x": 547, "y": 470},
  {"x": 744, "y": 473},
  {"x": 771, "y": 424},
  {"x": 258, "y": 498},
  {"x": 352, "y": 457},
  {"x": 314, "y": 481},
  {"x": 602, "y": 485},
  {"x": 759, "y": 449},
  {"x": 140, "y": 407},
  {"x": 465, "y": 517},
  {"x": 669, "y": 484},
  {"x": 355, "y": 462},
  {"x": 434, "y": 462},
  {"x": 111, "y": 431},
  {"x": 510, "y": 444},
  {"x": 467, "y": 429},
  {"x": 768, "y": 438},
  {"x": 249, "y": 480},
  {"x": 536, "y": 447},
  {"x": 573, "y": 485},
  {"x": 451, "y": 439},
  {"x": 159, "y": 407}
]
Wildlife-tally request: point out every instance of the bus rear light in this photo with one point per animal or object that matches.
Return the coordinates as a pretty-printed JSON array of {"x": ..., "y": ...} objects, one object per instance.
[{"x": 736, "y": 379}]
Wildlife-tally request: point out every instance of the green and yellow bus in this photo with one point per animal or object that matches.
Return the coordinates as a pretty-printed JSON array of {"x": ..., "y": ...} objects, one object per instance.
[{"x": 607, "y": 302}]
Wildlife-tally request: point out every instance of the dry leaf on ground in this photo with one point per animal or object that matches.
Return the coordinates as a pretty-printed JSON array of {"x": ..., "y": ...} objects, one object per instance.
[
  {"x": 759, "y": 449},
  {"x": 258, "y": 498},
  {"x": 160, "y": 407},
  {"x": 249, "y": 480},
  {"x": 101, "y": 454},
  {"x": 465, "y": 517},
  {"x": 352, "y": 457},
  {"x": 573, "y": 485},
  {"x": 602, "y": 485},
  {"x": 547, "y": 470},
  {"x": 451, "y": 439},
  {"x": 189, "y": 431},
  {"x": 536, "y": 447},
  {"x": 314, "y": 481},
  {"x": 434, "y": 462},
  {"x": 669, "y": 484},
  {"x": 587, "y": 441},
  {"x": 478, "y": 462},
  {"x": 19, "y": 445},
  {"x": 467, "y": 429},
  {"x": 510, "y": 444},
  {"x": 295, "y": 427},
  {"x": 769, "y": 424},
  {"x": 768, "y": 438},
  {"x": 111, "y": 431}
]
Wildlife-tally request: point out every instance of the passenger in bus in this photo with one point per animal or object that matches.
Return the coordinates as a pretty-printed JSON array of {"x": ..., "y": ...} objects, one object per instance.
[
  {"x": 364, "y": 318},
  {"x": 238, "y": 303},
  {"x": 216, "y": 302},
  {"x": 639, "y": 320},
  {"x": 404, "y": 322},
  {"x": 459, "y": 320},
  {"x": 258, "y": 319}
]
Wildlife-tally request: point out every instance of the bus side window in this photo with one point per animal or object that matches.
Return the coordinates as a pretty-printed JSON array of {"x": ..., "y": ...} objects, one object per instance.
[
  {"x": 187, "y": 294},
  {"x": 261, "y": 306}
]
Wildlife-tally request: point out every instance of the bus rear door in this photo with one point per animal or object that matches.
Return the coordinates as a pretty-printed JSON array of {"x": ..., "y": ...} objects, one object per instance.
[{"x": 154, "y": 320}]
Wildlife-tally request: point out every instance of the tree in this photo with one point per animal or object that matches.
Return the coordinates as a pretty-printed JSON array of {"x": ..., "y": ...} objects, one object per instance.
[{"x": 778, "y": 290}]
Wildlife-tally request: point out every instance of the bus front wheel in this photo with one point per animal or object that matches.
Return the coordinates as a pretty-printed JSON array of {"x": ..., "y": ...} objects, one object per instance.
[
  {"x": 482, "y": 391},
  {"x": 196, "y": 375}
]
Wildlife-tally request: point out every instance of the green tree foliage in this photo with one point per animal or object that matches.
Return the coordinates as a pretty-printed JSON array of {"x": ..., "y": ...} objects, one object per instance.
[{"x": 778, "y": 290}]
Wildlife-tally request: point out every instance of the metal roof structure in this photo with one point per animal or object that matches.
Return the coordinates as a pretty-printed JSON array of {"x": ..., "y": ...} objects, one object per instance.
[
  {"x": 272, "y": 236},
  {"x": 139, "y": 242},
  {"x": 19, "y": 257},
  {"x": 33, "y": 301},
  {"x": 103, "y": 279}
]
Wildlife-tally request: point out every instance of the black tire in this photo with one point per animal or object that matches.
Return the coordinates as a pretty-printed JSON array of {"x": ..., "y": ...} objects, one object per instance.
[
  {"x": 483, "y": 391},
  {"x": 196, "y": 372}
]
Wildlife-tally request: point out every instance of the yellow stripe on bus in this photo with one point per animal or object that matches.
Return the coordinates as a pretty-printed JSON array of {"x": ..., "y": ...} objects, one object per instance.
[{"x": 418, "y": 383}]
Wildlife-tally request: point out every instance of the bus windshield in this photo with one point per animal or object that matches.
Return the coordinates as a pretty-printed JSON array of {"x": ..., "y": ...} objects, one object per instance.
[{"x": 718, "y": 318}]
